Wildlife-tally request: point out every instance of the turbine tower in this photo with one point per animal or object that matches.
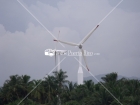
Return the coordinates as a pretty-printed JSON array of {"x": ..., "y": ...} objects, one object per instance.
[
  {"x": 80, "y": 71},
  {"x": 58, "y": 61}
]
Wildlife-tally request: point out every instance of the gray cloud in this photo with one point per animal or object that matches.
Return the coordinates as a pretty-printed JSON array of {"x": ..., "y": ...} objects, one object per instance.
[
  {"x": 127, "y": 5},
  {"x": 23, "y": 40}
]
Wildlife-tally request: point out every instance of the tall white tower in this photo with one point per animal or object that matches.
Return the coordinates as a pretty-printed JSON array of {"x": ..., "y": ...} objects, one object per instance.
[
  {"x": 58, "y": 67},
  {"x": 80, "y": 71}
]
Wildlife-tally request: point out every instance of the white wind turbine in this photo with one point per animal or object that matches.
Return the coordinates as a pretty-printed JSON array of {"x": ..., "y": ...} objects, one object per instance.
[
  {"x": 80, "y": 45},
  {"x": 56, "y": 53}
]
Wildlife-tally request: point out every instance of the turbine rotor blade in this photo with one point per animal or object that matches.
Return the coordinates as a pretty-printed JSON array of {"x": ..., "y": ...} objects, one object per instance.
[
  {"x": 88, "y": 35},
  {"x": 68, "y": 43},
  {"x": 84, "y": 58},
  {"x": 57, "y": 39}
]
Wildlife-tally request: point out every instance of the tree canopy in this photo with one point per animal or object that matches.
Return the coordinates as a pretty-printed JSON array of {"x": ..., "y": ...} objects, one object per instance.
[{"x": 57, "y": 90}]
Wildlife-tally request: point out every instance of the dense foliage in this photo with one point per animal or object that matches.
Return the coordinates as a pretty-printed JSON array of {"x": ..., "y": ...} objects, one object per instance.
[{"x": 57, "y": 90}]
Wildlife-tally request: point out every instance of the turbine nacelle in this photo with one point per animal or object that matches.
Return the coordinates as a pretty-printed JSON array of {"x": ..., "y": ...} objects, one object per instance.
[{"x": 80, "y": 46}]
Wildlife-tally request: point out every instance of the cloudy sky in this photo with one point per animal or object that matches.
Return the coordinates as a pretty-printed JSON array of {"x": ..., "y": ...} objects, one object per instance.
[{"x": 23, "y": 40}]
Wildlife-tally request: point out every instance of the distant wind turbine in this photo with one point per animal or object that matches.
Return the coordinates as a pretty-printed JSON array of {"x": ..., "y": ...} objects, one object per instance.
[{"x": 56, "y": 53}]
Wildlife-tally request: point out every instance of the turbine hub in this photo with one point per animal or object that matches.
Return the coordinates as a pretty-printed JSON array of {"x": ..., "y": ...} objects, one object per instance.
[{"x": 80, "y": 46}]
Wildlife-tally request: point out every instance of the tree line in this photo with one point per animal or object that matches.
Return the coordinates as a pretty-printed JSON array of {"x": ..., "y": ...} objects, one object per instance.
[{"x": 57, "y": 90}]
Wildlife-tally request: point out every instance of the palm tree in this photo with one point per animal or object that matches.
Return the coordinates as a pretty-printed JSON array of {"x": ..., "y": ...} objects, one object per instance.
[
  {"x": 102, "y": 97},
  {"x": 71, "y": 86},
  {"x": 79, "y": 92},
  {"x": 112, "y": 77},
  {"x": 90, "y": 85},
  {"x": 50, "y": 88},
  {"x": 132, "y": 95},
  {"x": 11, "y": 89},
  {"x": 39, "y": 92},
  {"x": 14, "y": 85},
  {"x": 67, "y": 91},
  {"x": 26, "y": 84},
  {"x": 60, "y": 78},
  {"x": 60, "y": 81}
]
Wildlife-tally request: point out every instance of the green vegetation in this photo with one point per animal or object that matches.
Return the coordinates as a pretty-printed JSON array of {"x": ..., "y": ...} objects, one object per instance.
[{"x": 56, "y": 89}]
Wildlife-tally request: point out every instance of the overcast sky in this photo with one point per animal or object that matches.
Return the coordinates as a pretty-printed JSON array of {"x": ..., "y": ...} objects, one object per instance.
[{"x": 23, "y": 40}]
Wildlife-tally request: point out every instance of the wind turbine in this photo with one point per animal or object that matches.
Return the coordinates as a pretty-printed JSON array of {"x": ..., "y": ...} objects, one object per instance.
[
  {"x": 56, "y": 53},
  {"x": 80, "y": 45}
]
